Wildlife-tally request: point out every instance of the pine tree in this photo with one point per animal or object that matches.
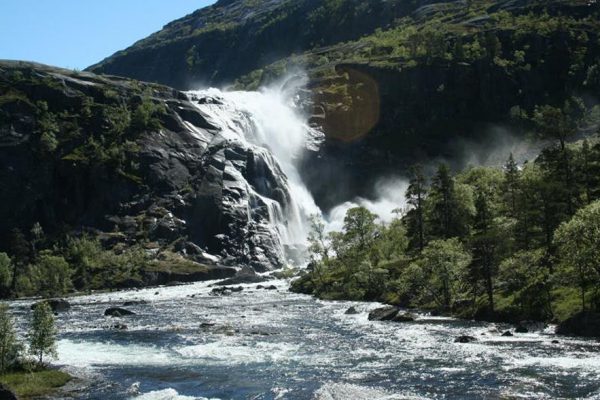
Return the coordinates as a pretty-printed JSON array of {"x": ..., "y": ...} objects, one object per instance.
[
  {"x": 20, "y": 252},
  {"x": 42, "y": 335},
  {"x": 415, "y": 196},
  {"x": 484, "y": 245},
  {"x": 511, "y": 185}
]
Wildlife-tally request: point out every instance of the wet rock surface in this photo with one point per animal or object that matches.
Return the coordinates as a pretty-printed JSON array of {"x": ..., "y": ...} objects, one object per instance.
[{"x": 190, "y": 176}]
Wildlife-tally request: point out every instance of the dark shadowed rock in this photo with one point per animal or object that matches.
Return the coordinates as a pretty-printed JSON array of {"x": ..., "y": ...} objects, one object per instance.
[
  {"x": 351, "y": 311},
  {"x": 245, "y": 275},
  {"x": 383, "y": 313},
  {"x": 583, "y": 324},
  {"x": 533, "y": 326},
  {"x": 507, "y": 334},
  {"x": 117, "y": 312},
  {"x": 521, "y": 329},
  {"x": 226, "y": 291},
  {"x": 134, "y": 303},
  {"x": 57, "y": 305},
  {"x": 6, "y": 393},
  {"x": 465, "y": 339}
]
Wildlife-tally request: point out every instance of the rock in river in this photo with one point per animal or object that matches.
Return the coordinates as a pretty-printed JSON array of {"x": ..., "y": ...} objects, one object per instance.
[
  {"x": 57, "y": 305},
  {"x": 383, "y": 314},
  {"x": 117, "y": 312},
  {"x": 351, "y": 311},
  {"x": 465, "y": 339}
]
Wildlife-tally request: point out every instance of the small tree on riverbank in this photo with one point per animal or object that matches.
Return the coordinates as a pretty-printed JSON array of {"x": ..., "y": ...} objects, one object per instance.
[
  {"x": 42, "y": 336},
  {"x": 9, "y": 348}
]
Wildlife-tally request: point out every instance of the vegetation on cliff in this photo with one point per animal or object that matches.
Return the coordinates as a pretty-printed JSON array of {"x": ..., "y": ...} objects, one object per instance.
[{"x": 77, "y": 156}]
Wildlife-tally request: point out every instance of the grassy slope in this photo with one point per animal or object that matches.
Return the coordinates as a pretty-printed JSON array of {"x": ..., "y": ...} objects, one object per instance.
[{"x": 28, "y": 385}]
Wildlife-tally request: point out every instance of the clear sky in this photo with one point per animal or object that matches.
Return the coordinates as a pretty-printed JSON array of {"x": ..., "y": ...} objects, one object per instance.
[{"x": 79, "y": 33}]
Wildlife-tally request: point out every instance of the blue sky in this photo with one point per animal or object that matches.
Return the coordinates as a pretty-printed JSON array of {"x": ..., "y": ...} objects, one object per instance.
[{"x": 78, "y": 33}]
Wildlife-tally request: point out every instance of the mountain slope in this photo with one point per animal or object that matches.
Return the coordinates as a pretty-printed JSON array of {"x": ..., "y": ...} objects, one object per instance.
[
  {"x": 391, "y": 82},
  {"x": 220, "y": 43}
]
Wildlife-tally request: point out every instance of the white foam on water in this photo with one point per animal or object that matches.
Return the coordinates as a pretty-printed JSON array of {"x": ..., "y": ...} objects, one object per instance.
[
  {"x": 231, "y": 352},
  {"x": 98, "y": 354},
  {"x": 346, "y": 391},
  {"x": 167, "y": 394},
  {"x": 589, "y": 362}
]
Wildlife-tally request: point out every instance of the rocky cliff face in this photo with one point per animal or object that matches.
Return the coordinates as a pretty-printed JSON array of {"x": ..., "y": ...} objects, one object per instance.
[{"x": 132, "y": 163}]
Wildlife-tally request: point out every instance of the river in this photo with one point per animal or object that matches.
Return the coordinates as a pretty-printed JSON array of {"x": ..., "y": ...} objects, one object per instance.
[{"x": 184, "y": 343}]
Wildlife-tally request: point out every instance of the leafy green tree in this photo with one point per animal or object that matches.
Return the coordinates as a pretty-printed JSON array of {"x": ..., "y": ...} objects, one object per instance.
[
  {"x": 42, "y": 334},
  {"x": 524, "y": 285},
  {"x": 445, "y": 265},
  {"x": 53, "y": 275},
  {"x": 579, "y": 250},
  {"x": 9, "y": 347},
  {"x": 359, "y": 230},
  {"x": 86, "y": 256},
  {"x": 318, "y": 246},
  {"x": 392, "y": 242}
]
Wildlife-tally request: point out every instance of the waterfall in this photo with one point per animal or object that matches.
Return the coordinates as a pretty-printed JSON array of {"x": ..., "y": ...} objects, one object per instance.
[{"x": 268, "y": 125}]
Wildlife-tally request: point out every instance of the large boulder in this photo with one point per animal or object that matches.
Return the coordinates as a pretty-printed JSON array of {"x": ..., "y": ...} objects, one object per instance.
[
  {"x": 117, "y": 312},
  {"x": 244, "y": 275},
  {"x": 465, "y": 339},
  {"x": 384, "y": 313},
  {"x": 583, "y": 324},
  {"x": 57, "y": 305},
  {"x": 351, "y": 311}
]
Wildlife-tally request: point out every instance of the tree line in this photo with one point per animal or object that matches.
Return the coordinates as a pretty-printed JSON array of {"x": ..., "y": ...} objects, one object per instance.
[{"x": 503, "y": 243}]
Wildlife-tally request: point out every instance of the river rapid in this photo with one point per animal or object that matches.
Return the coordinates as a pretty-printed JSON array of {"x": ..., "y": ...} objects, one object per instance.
[{"x": 184, "y": 343}]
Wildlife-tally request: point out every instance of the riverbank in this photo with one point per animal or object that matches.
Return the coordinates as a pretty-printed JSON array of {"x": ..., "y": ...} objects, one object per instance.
[
  {"x": 585, "y": 324},
  {"x": 35, "y": 384}
]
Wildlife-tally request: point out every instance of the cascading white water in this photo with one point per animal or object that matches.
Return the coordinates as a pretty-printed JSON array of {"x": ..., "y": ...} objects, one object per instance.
[{"x": 267, "y": 122}]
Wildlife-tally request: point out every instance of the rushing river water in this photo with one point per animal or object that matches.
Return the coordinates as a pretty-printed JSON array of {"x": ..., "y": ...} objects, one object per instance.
[{"x": 268, "y": 344}]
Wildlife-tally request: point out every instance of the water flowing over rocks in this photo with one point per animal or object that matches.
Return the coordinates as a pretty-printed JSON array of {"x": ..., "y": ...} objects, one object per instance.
[{"x": 214, "y": 178}]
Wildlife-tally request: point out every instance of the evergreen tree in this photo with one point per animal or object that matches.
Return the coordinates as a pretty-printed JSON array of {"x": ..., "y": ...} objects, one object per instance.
[
  {"x": 448, "y": 213},
  {"x": 511, "y": 186},
  {"x": 415, "y": 196},
  {"x": 42, "y": 335},
  {"x": 20, "y": 252},
  {"x": 484, "y": 246}
]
